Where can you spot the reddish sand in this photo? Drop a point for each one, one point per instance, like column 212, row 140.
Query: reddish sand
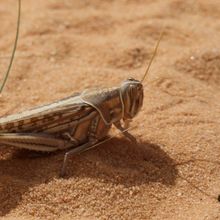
column 67, row 46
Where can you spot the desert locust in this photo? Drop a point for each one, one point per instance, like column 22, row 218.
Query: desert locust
column 76, row 123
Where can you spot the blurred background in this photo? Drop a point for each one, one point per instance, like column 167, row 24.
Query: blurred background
column 70, row 45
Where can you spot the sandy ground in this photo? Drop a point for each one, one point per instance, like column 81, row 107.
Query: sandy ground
column 67, row 46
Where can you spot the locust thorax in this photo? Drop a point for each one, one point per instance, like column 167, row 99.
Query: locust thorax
column 132, row 96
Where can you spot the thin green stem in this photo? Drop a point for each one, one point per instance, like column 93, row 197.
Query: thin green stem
column 14, row 49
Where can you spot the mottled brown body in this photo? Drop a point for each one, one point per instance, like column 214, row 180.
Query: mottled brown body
column 68, row 120
column 78, row 122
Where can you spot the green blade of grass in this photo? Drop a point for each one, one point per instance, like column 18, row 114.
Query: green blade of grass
column 14, row 49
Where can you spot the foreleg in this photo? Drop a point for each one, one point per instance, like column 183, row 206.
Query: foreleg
column 124, row 132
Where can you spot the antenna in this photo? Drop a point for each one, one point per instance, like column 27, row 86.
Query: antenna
column 153, row 56
column 14, row 49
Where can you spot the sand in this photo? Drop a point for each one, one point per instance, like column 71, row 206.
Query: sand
column 67, row 46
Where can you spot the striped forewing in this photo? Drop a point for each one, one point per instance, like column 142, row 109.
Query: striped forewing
column 53, row 117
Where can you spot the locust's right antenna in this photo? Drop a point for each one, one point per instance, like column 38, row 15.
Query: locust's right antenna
column 154, row 54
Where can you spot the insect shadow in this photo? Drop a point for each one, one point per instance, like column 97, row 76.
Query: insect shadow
column 126, row 163
column 118, row 161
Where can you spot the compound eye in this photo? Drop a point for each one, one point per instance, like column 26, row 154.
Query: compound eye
column 131, row 79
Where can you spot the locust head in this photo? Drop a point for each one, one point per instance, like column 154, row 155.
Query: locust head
column 132, row 93
column 132, row 96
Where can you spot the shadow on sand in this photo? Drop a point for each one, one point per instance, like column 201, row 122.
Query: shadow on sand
column 117, row 161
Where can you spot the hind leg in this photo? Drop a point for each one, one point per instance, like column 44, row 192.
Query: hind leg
column 74, row 152
column 33, row 141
